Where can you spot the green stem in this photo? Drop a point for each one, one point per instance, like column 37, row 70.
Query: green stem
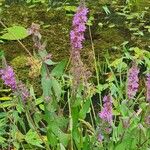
column 119, row 92
column 92, row 107
column 95, row 62
column 70, row 123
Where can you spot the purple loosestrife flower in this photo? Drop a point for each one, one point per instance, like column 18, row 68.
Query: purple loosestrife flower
column 106, row 113
column 78, row 27
column 132, row 84
column 8, row 76
column 78, row 70
column 24, row 92
column 100, row 137
column 148, row 87
column 148, row 120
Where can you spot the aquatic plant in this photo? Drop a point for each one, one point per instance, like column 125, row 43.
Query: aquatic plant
column 148, row 87
column 8, row 76
column 132, row 83
column 24, row 92
column 106, row 113
column 78, row 70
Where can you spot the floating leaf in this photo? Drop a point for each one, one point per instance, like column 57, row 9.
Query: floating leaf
column 15, row 33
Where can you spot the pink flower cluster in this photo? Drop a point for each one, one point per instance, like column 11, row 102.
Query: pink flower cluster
column 77, row 33
column 78, row 70
column 148, row 87
column 106, row 113
column 24, row 92
column 8, row 76
column 132, row 84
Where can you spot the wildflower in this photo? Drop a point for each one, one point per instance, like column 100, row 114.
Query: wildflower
column 36, row 36
column 126, row 122
column 8, row 76
column 132, row 84
column 77, row 33
column 24, row 92
column 34, row 30
column 78, row 70
column 148, row 120
column 106, row 113
column 100, row 137
column 148, row 87
column 108, row 130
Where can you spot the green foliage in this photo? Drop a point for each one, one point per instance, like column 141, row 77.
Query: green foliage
column 32, row 138
column 14, row 33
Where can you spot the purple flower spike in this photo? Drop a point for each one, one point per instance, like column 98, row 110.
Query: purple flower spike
column 148, row 120
column 8, row 76
column 24, row 92
column 100, row 137
column 77, row 33
column 78, row 70
column 132, row 84
column 148, row 87
column 106, row 113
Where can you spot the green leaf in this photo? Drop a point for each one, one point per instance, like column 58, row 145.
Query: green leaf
column 57, row 88
column 121, row 146
column 15, row 33
column 124, row 109
column 90, row 21
column 84, row 109
column 102, row 87
column 107, row 11
column 32, row 92
column 61, row 147
column 1, row 53
column 46, row 82
column 6, row 98
column 39, row 101
column 116, row 113
column 70, row 8
column 32, row 138
column 41, row 107
column 50, row 62
column 19, row 136
column 63, row 137
column 2, row 140
column 59, row 69
column 7, row 104
column 52, row 139
column 116, row 62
